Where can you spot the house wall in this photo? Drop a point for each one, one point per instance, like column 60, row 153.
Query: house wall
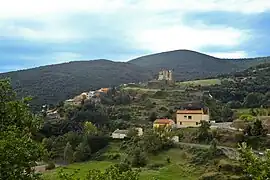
column 190, row 120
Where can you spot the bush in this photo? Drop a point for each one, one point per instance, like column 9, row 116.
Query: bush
column 123, row 166
column 50, row 166
column 155, row 166
column 212, row 176
column 114, row 156
column 229, row 167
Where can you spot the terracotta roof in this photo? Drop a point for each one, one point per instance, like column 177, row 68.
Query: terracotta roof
column 164, row 121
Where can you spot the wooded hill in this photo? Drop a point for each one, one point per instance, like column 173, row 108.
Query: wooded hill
column 54, row 83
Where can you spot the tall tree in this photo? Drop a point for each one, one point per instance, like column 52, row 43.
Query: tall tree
column 68, row 153
column 18, row 152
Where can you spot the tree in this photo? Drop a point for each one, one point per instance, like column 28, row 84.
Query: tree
column 138, row 158
column 68, row 153
column 258, row 168
column 18, row 151
column 258, row 129
column 253, row 100
column 89, row 128
column 203, row 134
column 83, row 152
column 153, row 116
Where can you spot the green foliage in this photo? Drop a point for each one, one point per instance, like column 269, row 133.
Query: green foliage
column 254, row 166
column 62, row 81
column 249, row 88
column 247, row 117
column 68, row 153
column 89, row 128
column 256, row 129
column 253, row 100
column 160, row 94
column 114, row 172
column 82, row 152
column 153, row 116
column 18, row 151
column 218, row 111
column 50, row 166
column 212, row 176
column 203, row 134
column 138, row 158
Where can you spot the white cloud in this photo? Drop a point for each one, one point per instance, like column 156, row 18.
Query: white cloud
column 229, row 55
column 184, row 37
column 243, row 6
column 39, row 8
column 141, row 23
column 65, row 56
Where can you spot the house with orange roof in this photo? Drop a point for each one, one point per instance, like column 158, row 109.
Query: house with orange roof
column 191, row 114
column 163, row 123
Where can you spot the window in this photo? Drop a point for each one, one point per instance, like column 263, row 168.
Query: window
column 180, row 123
column 189, row 117
column 197, row 123
column 185, row 117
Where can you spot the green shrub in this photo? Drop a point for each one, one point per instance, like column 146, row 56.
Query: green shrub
column 50, row 166
column 224, row 165
column 212, row 176
column 155, row 166
column 114, row 156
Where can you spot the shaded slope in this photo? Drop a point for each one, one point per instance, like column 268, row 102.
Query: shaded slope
column 54, row 83
column 191, row 65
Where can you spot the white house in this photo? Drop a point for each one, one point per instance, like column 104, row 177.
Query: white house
column 119, row 134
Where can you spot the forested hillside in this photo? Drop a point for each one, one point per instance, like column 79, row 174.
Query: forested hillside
column 248, row 88
column 54, row 83
column 194, row 65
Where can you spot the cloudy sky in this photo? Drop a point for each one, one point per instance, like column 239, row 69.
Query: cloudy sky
column 39, row 32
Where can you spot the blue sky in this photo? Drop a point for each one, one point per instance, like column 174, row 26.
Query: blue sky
column 35, row 32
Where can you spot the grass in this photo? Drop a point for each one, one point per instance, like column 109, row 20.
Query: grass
column 203, row 82
column 141, row 89
column 178, row 169
column 82, row 168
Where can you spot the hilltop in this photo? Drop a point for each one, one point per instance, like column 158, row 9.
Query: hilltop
column 188, row 65
column 54, row 83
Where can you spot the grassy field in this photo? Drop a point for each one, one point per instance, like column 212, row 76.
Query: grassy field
column 141, row 89
column 178, row 169
column 203, row 82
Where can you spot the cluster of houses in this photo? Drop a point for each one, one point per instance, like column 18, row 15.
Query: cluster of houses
column 188, row 115
column 93, row 95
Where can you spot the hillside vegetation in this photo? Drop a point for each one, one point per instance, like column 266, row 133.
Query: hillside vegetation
column 54, row 83
column 193, row 65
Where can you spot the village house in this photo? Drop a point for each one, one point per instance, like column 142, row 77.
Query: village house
column 163, row 123
column 191, row 114
column 121, row 134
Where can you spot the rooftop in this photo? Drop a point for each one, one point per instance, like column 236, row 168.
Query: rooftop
column 164, row 121
column 121, row 131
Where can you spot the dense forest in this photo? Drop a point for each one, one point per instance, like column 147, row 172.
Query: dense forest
column 248, row 88
column 54, row 83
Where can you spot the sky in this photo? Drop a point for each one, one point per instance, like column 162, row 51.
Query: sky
column 38, row 32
